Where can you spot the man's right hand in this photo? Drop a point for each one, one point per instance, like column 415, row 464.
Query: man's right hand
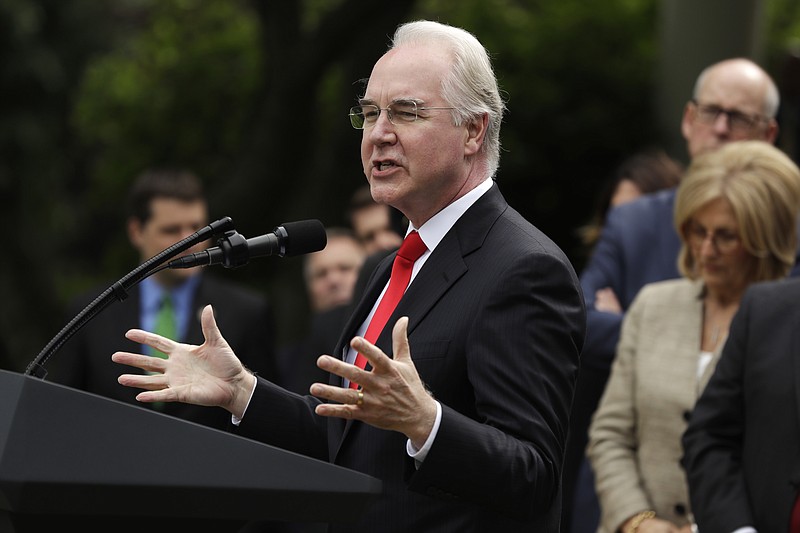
column 209, row 374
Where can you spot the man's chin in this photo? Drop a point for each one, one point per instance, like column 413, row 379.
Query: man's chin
column 707, row 148
column 172, row 277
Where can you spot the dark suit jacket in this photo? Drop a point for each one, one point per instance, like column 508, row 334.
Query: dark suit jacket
column 742, row 446
column 496, row 324
column 297, row 362
column 84, row 361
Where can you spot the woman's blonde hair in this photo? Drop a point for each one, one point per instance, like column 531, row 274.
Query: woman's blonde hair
column 762, row 185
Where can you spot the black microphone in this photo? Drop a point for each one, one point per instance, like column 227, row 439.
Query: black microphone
column 287, row 240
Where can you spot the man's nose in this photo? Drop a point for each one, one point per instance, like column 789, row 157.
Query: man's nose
column 722, row 124
column 382, row 128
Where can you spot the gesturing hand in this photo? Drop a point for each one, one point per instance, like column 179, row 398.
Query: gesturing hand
column 209, row 374
column 392, row 396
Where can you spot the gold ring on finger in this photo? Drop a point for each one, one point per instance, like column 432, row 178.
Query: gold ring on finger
column 360, row 400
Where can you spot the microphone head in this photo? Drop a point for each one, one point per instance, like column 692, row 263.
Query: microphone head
column 303, row 237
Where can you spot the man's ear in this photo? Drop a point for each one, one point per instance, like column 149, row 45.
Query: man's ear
column 476, row 132
column 687, row 121
column 134, row 227
column 772, row 131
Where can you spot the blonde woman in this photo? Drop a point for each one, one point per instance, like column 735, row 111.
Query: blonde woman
column 736, row 213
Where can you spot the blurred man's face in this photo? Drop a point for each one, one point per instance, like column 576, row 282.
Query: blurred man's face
column 373, row 227
column 731, row 96
column 331, row 273
column 171, row 221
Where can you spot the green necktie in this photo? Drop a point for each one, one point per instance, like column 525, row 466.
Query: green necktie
column 166, row 325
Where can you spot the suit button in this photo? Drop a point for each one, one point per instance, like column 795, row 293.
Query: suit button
column 687, row 415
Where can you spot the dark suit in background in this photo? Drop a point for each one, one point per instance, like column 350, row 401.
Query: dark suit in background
column 742, row 446
column 639, row 246
column 297, row 362
column 84, row 361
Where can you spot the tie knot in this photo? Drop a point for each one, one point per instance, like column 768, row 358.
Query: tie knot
column 412, row 247
column 166, row 301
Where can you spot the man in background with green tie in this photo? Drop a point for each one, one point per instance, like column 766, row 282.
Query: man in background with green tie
column 164, row 207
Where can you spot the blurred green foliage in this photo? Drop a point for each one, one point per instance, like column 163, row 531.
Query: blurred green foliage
column 783, row 29
column 177, row 91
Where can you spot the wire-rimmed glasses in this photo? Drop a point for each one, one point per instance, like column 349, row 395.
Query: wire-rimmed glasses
column 399, row 112
column 724, row 241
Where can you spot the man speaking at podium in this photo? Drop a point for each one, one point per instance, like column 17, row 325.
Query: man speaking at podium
column 462, row 408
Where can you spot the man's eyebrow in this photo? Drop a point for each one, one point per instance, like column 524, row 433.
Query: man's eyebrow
column 402, row 100
column 408, row 100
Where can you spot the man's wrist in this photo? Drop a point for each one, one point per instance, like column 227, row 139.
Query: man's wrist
column 243, row 392
column 420, row 452
column 425, row 425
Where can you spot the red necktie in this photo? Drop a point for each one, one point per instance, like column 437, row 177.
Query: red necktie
column 411, row 250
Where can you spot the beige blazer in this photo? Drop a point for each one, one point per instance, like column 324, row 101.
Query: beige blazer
column 635, row 435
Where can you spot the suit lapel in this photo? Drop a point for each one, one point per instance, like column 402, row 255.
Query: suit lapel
column 442, row 269
column 446, row 264
column 437, row 275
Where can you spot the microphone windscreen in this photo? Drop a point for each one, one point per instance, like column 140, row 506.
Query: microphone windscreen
column 304, row 237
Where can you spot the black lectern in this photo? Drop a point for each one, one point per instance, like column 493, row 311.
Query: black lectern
column 71, row 459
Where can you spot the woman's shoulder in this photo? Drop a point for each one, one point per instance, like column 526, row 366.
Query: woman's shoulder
column 679, row 287
column 669, row 294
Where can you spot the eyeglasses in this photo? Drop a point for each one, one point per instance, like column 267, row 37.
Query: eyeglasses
column 737, row 121
column 723, row 241
column 400, row 112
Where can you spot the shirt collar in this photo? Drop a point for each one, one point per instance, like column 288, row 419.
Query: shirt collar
column 433, row 231
column 151, row 292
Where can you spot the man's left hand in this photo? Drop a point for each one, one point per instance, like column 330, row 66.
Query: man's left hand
column 392, row 395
